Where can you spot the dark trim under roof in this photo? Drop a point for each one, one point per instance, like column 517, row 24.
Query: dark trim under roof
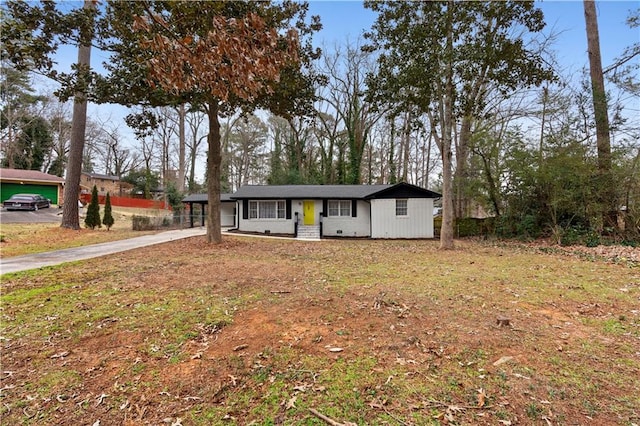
column 204, row 198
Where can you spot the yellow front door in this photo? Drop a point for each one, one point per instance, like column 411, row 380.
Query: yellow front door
column 308, row 212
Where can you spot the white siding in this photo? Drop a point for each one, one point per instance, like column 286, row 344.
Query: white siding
column 359, row 226
column 275, row 226
column 417, row 224
column 227, row 216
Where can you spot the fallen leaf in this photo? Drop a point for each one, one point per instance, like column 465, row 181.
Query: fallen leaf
column 482, row 396
column 503, row 360
column 291, row 403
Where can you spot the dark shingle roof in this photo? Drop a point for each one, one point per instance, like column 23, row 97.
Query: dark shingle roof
column 318, row 192
column 99, row 176
column 308, row 191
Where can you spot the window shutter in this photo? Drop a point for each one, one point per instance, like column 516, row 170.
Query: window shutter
column 325, row 208
column 288, row 208
column 245, row 209
column 354, row 208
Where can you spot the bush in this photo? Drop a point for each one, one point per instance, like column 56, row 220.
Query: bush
column 569, row 236
column 469, row 227
column 528, row 227
column 142, row 223
column 146, row 223
column 92, row 218
column 592, row 239
column 107, row 220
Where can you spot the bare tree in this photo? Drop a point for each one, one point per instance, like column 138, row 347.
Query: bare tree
column 196, row 123
column 346, row 96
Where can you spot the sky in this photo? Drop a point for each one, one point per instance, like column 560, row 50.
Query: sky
column 348, row 20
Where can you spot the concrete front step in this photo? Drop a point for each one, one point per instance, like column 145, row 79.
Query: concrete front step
column 308, row 232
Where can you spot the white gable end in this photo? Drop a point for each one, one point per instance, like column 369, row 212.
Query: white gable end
column 417, row 223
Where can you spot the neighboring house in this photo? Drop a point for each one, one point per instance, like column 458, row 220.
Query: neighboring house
column 104, row 183
column 15, row 181
column 227, row 209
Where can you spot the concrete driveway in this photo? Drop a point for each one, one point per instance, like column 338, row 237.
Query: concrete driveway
column 39, row 260
column 51, row 215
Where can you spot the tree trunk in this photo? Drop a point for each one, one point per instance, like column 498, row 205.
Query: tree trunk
column 70, row 218
column 461, row 178
column 605, row 195
column 446, row 230
column 406, row 146
column 181, row 154
column 214, row 160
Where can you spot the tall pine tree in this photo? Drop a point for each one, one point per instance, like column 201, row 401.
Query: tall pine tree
column 93, row 211
column 107, row 219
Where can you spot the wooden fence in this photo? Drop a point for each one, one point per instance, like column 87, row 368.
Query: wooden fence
column 139, row 203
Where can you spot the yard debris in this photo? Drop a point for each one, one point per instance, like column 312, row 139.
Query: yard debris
column 101, row 398
column 27, row 415
column 502, row 321
column 336, row 349
column 4, row 388
column 503, row 360
column 482, row 396
column 329, row 420
column 240, row 347
column 291, row 403
column 192, row 398
column 60, row 355
column 520, row 376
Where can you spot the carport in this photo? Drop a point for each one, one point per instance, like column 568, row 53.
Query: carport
column 15, row 181
column 227, row 209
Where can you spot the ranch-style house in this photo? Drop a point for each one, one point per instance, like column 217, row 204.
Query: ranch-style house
column 314, row 211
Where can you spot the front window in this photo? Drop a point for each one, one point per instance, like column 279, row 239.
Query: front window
column 401, row 207
column 267, row 209
column 339, row 208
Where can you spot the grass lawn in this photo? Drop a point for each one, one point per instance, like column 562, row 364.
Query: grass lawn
column 280, row 332
column 27, row 238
